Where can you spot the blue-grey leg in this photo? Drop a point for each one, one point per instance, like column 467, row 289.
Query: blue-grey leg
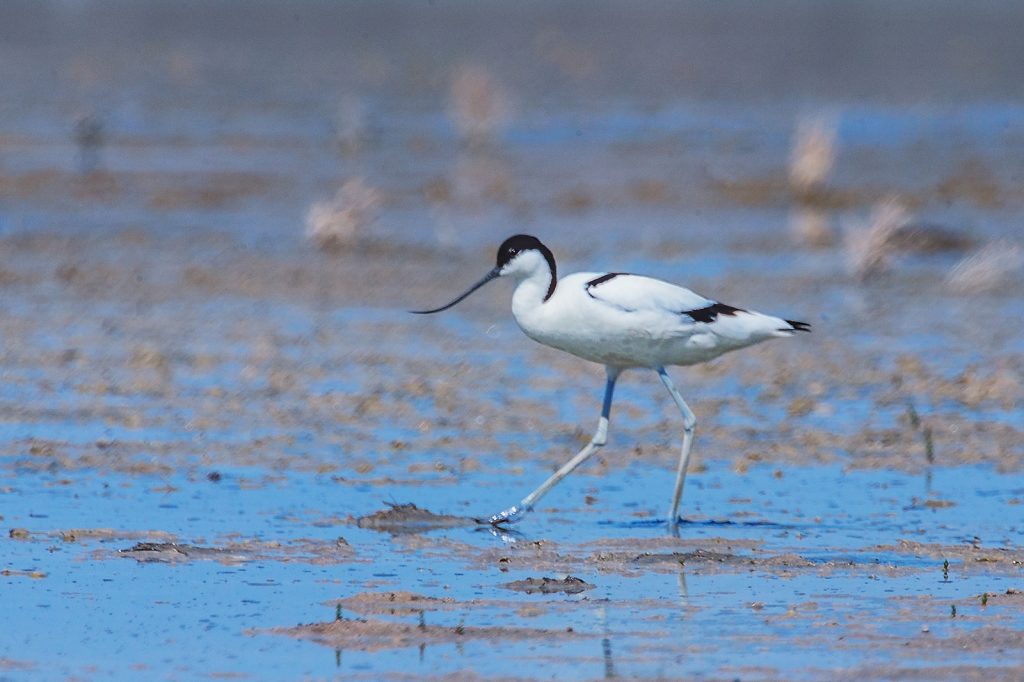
column 513, row 514
column 689, row 424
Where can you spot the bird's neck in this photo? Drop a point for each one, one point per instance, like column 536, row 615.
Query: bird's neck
column 534, row 291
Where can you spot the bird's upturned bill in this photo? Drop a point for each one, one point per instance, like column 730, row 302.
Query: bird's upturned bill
column 487, row 278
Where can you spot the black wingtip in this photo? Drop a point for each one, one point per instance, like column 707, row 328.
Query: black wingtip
column 799, row 326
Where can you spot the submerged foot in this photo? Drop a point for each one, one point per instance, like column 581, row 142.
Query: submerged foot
column 509, row 516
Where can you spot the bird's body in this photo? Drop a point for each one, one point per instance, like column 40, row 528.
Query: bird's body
column 622, row 321
column 631, row 321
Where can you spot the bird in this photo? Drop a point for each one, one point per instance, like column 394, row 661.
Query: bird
column 622, row 321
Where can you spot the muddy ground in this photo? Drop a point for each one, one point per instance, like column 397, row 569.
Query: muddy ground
column 227, row 450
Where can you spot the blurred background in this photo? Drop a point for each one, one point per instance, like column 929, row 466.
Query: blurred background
column 193, row 194
column 213, row 216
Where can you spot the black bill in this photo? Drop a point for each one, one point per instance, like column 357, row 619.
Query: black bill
column 487, row 278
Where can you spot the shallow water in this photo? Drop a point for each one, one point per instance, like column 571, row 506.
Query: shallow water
column 115, row 613
column 179, row 364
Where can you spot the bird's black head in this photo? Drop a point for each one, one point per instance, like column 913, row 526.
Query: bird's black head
column 516, row 244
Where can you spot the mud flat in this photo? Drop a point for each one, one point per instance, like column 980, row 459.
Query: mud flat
column 226, row 450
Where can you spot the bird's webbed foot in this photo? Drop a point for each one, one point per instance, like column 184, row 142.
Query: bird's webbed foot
column 509, row 516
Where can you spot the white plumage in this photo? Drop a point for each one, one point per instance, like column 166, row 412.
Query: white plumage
column 634, row 321
column 622, row 321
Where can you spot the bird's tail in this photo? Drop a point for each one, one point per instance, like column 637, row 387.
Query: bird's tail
column 793, row 326
column 748, row 326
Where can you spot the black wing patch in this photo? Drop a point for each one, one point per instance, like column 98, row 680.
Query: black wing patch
column 711, row 312
column 597, row 281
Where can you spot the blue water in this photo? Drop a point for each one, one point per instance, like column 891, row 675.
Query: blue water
column 101, row 614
